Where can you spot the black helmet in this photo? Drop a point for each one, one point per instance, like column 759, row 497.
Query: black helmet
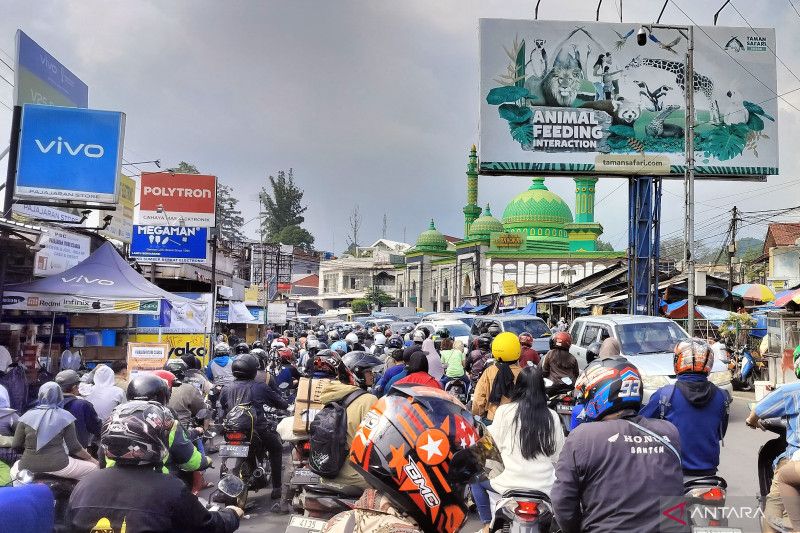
column 443, row 333
column 362, row 335
column 484, row 343
column 395, row 342
column 192, row 362
column 405, row 330
column 329, row 363
column 242, row 348
column 494, row 330
column 178, row 367
column 262, row 357
column 358, row 363
column 245, row 366
column 592, row 352
column 137, row 433
column 148, row 387
column 256, row 346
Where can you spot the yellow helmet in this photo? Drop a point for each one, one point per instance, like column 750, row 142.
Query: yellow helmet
column 506, row 347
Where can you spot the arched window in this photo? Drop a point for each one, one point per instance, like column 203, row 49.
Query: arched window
column 530, row 274
column 466, row 288
column 544, row 273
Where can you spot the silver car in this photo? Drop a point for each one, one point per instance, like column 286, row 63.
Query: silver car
column 647, row 341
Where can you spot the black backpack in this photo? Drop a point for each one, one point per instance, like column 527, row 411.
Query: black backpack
column 328, row 440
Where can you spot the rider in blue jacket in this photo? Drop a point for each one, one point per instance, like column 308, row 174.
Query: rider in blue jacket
column 697, row 407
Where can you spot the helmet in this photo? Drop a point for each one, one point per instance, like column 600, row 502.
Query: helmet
column 245, row 366
column 340, row 346
column 494, row 330
column 312, row 344
column 329, row 362
column 506, row 347
column 191, row 362
column 611, row 385
column 404, row 448
column 394, row 342
column 256, row 346
column 484, row 342
column 526, row 339
column 405, row 330
column 562, row 340
column 361, row 335
column 167, row 376
column 358, row 363
column 241, row 348
column 351, row 338
column 137, row 433
column 419, row 336
column 443, row 333
column 67, row 378
column 148, row 386
column 593, row 351
column 693, row 356
column 380, row 339
column 277, row 344
column 177, row 367
column 284, row 339
column 333, row 335
column 286, row 355
column 222, row 348
column 261, row 355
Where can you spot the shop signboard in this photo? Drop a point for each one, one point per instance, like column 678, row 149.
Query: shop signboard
column 62, row 250
column 146, row 356
column 509, row 287
column 41, row 79
column 169, row 244
column 69, row 154
column 42, row 212
column 561, row 97
column 177, row 199
column 65, row 303
column 179, row 344
column 121, row 226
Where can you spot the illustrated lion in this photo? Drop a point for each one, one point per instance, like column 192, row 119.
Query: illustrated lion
column 561, row 84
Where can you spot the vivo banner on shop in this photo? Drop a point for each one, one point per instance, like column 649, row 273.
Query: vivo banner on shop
column 177, row 199
column 69, row 154
column 169, row 244
column 585, row 98
column 41, row 79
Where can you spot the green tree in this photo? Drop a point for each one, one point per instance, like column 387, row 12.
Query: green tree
column 603, row 246
column 229, row 218
column 360, row 305
column 283, row 208
column 377, row 297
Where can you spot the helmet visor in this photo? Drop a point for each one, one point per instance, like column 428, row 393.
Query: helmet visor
column 479, row 462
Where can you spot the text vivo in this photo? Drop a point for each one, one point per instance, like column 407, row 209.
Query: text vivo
column 64, row 147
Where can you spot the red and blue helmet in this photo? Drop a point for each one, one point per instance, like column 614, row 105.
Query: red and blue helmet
column 610, row 385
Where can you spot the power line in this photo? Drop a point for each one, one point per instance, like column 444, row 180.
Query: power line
column 6, row 105
column 795, row 9
column 6, row 64
column 6, row 80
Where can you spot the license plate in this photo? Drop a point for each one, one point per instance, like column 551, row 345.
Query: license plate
column 233, row 450
column 303, row 524
column 714, row 529
column 566, row 409
column 304, row 477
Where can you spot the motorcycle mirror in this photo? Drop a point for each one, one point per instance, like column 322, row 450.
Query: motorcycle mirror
column 548, row 382
column 231, row 485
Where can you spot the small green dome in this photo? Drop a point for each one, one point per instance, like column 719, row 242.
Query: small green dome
column 431, row 240
column 485, row 225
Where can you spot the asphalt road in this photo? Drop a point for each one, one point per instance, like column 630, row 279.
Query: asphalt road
column 737, row 465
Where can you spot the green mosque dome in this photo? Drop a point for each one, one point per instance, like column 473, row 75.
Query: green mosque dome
column 485, row 225
column 540, row 214
column 431, row 240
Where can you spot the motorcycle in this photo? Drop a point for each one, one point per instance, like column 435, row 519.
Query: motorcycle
column 561, row 399
column 458, row 389
column 767, row 454
column 300, row 475
column 742, row 366
column 61, row 489
column 705, row 502
column 523, row 511
column 323, row 502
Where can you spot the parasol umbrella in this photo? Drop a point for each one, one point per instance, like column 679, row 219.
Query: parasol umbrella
column 786, row 297
column 754, row 291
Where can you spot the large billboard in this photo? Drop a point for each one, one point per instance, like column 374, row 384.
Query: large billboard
column 69, row 154
column 169, row 244
column 41, row 79
column 61, row 251
column 174, row 199
column 562, row 97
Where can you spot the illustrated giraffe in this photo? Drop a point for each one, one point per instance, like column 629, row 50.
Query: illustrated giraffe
column 702, row 84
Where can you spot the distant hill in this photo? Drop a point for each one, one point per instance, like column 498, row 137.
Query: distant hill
column 748, row 243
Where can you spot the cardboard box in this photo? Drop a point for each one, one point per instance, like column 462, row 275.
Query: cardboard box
column 307, row 404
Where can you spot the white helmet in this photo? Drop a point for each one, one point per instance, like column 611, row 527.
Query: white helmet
column 312, row 343
column 419, row 336
column 380, row 339
column 351, row 338
column 277, row 344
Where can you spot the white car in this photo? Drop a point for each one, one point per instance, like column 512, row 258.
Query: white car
column 647, row 341
column 458, row 330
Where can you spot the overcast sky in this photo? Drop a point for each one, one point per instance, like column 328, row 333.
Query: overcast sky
column 372, row 103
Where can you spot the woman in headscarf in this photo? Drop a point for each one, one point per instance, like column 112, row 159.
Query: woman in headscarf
column 417, row 372
column 610, row 349
column 8, row 415
column 435, row 367
column 105, row 395
column 47, row 435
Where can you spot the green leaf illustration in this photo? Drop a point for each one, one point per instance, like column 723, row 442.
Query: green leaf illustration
column 755, row 123
column 622, row 130
column 510, row 93
column 724, row 142
column 756, row 109
column 515, row 113
column 523, row 133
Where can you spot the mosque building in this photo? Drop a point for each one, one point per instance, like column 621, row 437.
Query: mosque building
column 537, row 242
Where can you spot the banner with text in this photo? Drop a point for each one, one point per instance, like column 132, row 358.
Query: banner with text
column 169, row 244
column 41, row 79
column 584, row 98
column 62, row 250
column 177, row 199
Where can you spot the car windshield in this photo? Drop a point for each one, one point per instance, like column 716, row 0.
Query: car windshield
column 468, row 320
column 649, row 337
column 537, row 328
column 456, row 329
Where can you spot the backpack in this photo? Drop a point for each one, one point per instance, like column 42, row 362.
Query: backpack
column 328, row 439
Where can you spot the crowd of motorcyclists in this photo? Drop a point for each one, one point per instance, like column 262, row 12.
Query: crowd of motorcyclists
column 409, row 402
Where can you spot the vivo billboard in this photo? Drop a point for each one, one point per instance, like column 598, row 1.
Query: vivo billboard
column 42, row 79
column 69, row 154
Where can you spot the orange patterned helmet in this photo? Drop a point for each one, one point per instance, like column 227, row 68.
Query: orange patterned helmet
column 693, row 356
column 404, row 448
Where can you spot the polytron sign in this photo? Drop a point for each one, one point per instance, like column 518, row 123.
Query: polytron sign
column 177, row 199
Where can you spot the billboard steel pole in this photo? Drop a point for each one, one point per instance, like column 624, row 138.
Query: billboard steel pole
column 690, row 245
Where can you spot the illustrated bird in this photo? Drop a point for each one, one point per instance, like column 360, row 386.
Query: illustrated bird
column 667, row 46
column 623, row 38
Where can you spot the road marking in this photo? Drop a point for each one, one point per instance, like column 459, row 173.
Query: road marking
column 750, row 398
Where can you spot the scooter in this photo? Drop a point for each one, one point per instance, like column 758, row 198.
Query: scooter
column 523, row 511
column 705, row 502
column 742, row 366
column 458, row 389
column 767, row 454
column 561, row 398
column 61, row 489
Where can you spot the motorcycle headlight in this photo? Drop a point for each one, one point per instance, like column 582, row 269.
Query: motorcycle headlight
column 720, row 378
column 654, row 382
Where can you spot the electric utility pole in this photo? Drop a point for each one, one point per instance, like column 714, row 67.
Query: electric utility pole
column 731, row 253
